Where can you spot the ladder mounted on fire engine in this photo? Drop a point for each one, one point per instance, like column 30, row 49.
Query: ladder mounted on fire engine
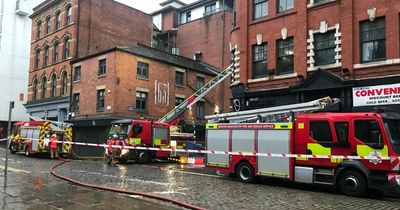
column 54, row 124
column 195, row 97
column 272, row 112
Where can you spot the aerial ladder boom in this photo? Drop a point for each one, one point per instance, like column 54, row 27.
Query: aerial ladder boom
column 253, row 115
column 173, row 115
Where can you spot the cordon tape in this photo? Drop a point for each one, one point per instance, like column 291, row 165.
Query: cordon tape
column 376, row 156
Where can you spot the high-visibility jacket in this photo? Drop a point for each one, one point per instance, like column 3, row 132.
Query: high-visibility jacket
column 53, row 143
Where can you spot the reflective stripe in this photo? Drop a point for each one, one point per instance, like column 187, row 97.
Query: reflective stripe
column 217, row 164
column 134, row 141
column 317, row 149
column 212, row 126
column 68, row 138
column 283, row 125
column 274, row 174
column 365, row 150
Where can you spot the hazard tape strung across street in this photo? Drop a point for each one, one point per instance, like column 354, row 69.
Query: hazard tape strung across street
column 232, row 153
column 5, row 139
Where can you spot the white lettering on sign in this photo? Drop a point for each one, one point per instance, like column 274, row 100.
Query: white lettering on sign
column 376, row 95
column 161, row 93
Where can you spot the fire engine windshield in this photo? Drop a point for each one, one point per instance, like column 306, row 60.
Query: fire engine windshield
column 392, row 127
column 120, row 129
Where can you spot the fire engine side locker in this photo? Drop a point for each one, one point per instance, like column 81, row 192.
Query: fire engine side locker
column 218, row 140
column 274, row 141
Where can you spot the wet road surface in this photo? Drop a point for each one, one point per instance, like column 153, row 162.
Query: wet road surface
column 197, row 186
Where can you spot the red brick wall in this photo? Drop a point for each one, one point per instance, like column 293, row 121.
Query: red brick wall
column 299, row 21
column 48, row 39
column 121, row 86
column 105, row 24
column 169, row 19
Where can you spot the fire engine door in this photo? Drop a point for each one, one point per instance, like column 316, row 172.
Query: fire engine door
column 274, row 142
column 217, row 140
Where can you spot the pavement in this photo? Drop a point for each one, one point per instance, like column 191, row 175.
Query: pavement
column 31, row 186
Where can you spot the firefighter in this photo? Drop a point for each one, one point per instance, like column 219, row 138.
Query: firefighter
column 53, row 146
column 112, row 152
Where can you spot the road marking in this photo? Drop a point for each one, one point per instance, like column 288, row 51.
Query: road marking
column 15, row 169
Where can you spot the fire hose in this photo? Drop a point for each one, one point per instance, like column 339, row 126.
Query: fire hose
column 148, row 195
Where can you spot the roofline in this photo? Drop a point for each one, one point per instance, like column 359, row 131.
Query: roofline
column 195, row 4
column 119, row 48
column 169, row 1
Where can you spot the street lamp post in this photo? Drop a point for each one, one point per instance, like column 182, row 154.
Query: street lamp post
column 8, row 141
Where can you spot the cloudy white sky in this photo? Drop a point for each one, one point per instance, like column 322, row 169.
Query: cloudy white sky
column 147, row 6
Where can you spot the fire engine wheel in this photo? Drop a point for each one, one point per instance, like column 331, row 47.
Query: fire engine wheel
column 353, row 183
column 13, row 149
column 245, row 172
column 142, row 156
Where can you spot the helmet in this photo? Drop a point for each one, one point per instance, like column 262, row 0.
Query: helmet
column 54, row 135
column 115, row 136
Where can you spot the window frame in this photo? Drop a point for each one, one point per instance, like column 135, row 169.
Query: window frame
column 200, row 109
column 373, row 41
column 37, row 59
column 44, row 87
column 100, row 99
column 178, row 101
column 180, row 79
column 53, row 83
column 34, row 89
column 38, row 29
column 141, row 101
column 57, row 20
column 77, row 73
column 56, row 53
column 278, row 3
column 75, row 100
column 285, row 48
column 141, row 68
column 68, row 15
column 46, row 55
column 326, row 143
column 48, row 26
column 208, row 11
column 259, row 56
column 64, row 83
column 67, row 46
column 324, row 49
column 200, row 82
column 102, row 69
column 259, row 3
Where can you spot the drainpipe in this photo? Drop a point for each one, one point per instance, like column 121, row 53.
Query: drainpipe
column 223, row 55
column 1, row 20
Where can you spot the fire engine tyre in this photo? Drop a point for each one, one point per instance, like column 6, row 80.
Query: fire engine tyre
column 353, row 183
column 142, row 156
column 13, row 149
column 245, row 172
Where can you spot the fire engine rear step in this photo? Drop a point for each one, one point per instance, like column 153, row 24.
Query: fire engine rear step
column 324, row 176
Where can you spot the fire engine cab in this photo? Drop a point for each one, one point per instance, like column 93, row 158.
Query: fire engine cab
column 319, row 134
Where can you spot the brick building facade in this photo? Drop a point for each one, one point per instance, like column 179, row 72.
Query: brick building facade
column 200, row 30
column 289, row 51
column 69, row 29
column 136, row 82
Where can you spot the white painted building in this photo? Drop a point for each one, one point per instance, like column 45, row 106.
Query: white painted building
column 15, row 36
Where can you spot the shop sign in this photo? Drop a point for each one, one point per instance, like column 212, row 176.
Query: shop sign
column 376, row 95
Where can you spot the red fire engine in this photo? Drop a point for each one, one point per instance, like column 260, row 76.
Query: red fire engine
column 33, row 137
column 368, row 134
column 145, row 133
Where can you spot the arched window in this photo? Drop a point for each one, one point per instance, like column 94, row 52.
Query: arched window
column 37, row 58
column 38, row 29
column 64, row 80
column 44, row 87
column 69, row 15
column 55, row 51
column 48, row 25
column 67, row 45
column 53, row 85
column 46, row 55
column 34, row 89
column 57, row 20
